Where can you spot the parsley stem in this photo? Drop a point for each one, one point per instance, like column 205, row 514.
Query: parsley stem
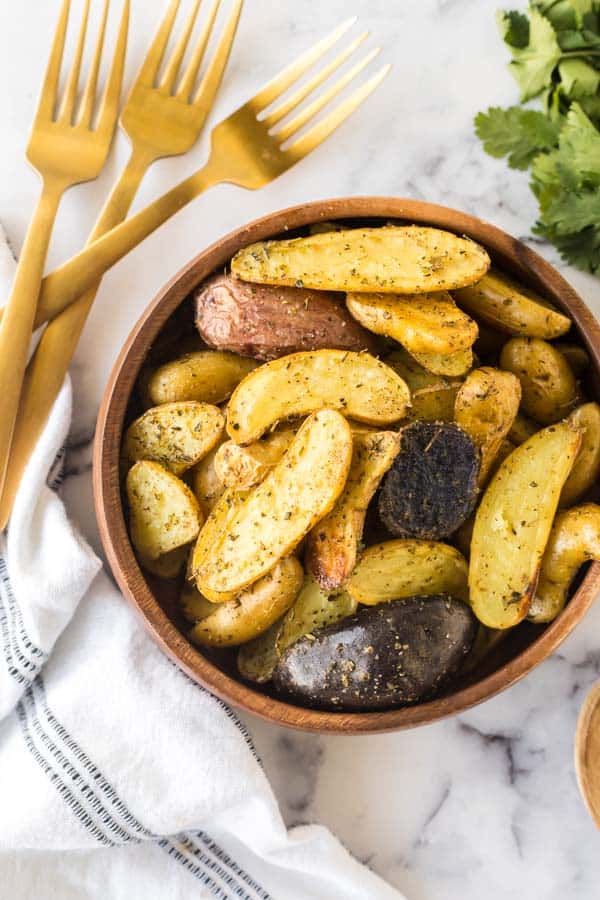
column 575, row 53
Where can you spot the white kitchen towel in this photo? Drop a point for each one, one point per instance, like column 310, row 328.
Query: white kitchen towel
column 120, row 777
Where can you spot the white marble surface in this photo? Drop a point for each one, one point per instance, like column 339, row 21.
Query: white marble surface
column 484, row 805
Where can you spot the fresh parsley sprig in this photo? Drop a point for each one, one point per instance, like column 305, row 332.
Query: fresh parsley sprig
column 555, row 57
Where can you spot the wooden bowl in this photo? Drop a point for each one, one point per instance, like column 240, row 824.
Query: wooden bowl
column 520, row 652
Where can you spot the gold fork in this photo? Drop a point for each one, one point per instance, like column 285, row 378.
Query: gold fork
column 246, row 150
column 65, row 150
column 160, row 120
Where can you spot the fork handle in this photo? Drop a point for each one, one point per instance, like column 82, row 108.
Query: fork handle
column 50, row 362
column 66, row 283
column 19, row 315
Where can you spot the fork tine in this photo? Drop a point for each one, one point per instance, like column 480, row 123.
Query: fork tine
column 317, row 105
column 298, row 96
column 189, row 76
column 168, row 79
column 285, row 79
column 68, row 103
column 214, row 74
column 50, row 88
column 89, row 94
column 321, row 130
column 109, row 108
column 151, row 65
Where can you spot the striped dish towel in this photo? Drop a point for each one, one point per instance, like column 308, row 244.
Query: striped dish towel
column 120, row 777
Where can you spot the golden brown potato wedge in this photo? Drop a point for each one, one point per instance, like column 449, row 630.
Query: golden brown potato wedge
column 356, row 384
column 450, row 364
column 208, row 376
column 586, row 468
column 427, row 323
column 193, row 605
column 512, row 308
column 169, row 565
column 253, row 611
column 548, row 384
column 522, row 429
column 312, row 609
column 176, row 435
column 407, row 568
column 206, row 484
column 402, row 259
column 163, row 512
column 513, row 523
column 574, row 539
column 432, row 396
column 241, row 543
column 332, row 546
column 243, row 467
column 486, row 405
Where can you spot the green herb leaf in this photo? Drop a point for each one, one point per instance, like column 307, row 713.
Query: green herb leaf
column 532, row 66
column 514, row 27
column 517, row 133
column 579, row 79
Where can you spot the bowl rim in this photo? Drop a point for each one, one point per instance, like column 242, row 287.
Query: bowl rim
column 514, row 256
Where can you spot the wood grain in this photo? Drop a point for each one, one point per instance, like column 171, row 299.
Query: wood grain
column 587, row 753
column 517, row 655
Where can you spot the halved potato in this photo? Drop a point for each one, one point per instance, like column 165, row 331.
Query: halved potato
column 312, row 609
column 522, row 429
column 206, row 484
column 357, row 384
column 176, row 435
column 332, row 546
column 403, row 259
column 254, row 610
column 239, row 544
column 586, row 468
column 208, row 376
column 408, row 568
column 486, row 406
column 163, row 512
column 193, row 605
column 451, row 364
column 512, row 308
column 432, row 396
column 574, row 539
column 243, row 467
column 429, row 323
column 547, row 381
column 513, row 523
column 169, row 565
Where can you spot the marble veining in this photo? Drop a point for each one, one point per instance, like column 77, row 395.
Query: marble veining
column 483, row 805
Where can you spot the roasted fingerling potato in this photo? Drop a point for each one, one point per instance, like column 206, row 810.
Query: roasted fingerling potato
column 511, row 307
column 408, row 568
column 513, row 523
column 266, row 321
column 486, row 405
column 243, row 467
column 206, row 484
column 428, row 323
column 451, row 364
column 176, row 435
column 549, row 388
column 586, row 468
column 574, row 539
column 253, row 610
column 207, row 376
column 396, row 259
column 332, row 546
column 356, row 384
column 240, row 545
column 163, row 512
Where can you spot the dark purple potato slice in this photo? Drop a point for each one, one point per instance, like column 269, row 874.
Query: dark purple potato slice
column 383, row 656
column 431, row 488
